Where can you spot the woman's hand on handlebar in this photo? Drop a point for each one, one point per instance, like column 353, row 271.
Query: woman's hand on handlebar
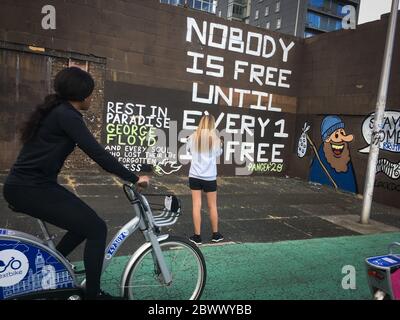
column 142, row 183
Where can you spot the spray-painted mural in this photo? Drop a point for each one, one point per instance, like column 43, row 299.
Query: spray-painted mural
column 388, row 139
column 255, row 82
column 148, row 125
column 331, row 164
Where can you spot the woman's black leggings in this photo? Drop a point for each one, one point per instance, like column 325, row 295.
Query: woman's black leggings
column 56, row 205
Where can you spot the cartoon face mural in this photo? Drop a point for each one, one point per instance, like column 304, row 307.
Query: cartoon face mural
column 336, row 149
column 332, row 162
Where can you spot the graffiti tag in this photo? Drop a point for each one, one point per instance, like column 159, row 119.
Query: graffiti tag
column 265, row 167
column 390, row 169
column 388, row 137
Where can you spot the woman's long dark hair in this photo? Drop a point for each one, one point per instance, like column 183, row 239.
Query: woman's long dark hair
column 70, row 84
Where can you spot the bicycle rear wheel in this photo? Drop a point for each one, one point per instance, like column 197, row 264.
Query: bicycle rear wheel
column 186, row 264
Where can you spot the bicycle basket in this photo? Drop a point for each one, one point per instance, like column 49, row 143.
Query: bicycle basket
column 166, row 211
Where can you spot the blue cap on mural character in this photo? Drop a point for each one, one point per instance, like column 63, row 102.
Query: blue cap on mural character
column 329, row 125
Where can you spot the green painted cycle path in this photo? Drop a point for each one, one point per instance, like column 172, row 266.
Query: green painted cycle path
column 289, row 270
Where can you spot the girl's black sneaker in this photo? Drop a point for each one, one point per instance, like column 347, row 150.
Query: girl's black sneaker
column 195, row 239
column 217, row 237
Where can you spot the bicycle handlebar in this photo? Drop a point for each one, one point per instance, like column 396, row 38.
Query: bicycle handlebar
column 135, row 188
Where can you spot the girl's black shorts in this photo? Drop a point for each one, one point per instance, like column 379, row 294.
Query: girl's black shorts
column 199, row 184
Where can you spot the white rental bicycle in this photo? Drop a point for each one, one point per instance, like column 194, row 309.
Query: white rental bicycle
column 163, row 268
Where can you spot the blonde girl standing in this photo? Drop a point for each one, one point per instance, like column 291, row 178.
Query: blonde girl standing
column 205, row 147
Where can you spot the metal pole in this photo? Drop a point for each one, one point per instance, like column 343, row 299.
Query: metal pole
column 379, row 115
column 297, row 18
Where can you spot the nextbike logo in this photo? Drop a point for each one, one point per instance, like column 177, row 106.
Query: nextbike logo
column 6, row 231
column 117, row 242
column 14, row 266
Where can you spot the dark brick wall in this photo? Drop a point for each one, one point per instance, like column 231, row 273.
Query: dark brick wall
column 340, row 75
column 341, row 71
column 26, row 79
column 93, row 117
column 143, row 43
column 143, row 40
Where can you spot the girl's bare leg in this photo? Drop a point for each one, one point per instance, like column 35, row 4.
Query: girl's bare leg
column 212, row 209
column 196, row 201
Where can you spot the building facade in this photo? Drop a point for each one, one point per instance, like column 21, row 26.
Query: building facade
column 203, row 5
column 302, row 18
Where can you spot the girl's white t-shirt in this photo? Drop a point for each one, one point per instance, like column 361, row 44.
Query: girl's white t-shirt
column 204, row 164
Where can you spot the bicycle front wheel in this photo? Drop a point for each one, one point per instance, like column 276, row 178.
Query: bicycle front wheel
column 186, row 264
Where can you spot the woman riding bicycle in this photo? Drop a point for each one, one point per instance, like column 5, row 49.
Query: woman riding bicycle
column 51, row 133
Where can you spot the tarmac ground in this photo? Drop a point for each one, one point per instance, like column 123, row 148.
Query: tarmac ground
column 284, row 238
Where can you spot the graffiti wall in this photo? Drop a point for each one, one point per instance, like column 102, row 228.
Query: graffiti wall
column 331, row 161
column 333, row 150
column 150, row 125
column 145, row 125
column 387, row 181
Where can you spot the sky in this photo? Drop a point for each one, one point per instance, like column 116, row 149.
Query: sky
column 371, row 10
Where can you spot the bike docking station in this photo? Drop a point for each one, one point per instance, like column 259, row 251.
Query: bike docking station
column 383, row 274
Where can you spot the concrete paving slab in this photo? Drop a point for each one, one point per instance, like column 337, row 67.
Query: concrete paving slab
column 316, row 227
column 387, row 218
column 352, row 222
